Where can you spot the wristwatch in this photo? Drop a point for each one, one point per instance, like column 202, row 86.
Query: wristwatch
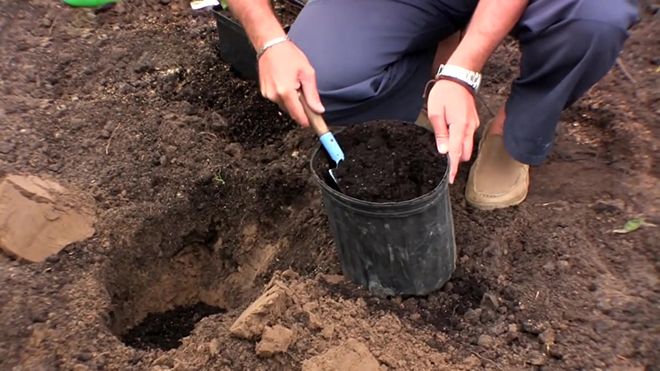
column 463, row 76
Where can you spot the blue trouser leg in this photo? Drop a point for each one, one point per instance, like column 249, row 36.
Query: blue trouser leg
column 567, row 46
column 373, row 58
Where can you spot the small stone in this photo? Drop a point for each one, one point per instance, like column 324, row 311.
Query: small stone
column 472, row 315
column 415, row 316
column 601, row 327
column 275, row 339
column 162, row 160
column 490, row 301
column 56, row 167
column 6, row 147
column 328, row 331
column 510, row 293
column 218, row 123
column 509, row 337
column 487, row 316
column 333, row 279
column 39, row 315
column 485, row 341
column 214, row 347
column 234, row 150
column 532, row 327
column 547, row 337
column 536, row 358
column 557, row 351
column 46, row 22
column 498, row 329
column 313, row 321
column 563, row 265
column 549, row 267
column 388, row 360
column 84, row 356
column 471, row 362
column 144, row 64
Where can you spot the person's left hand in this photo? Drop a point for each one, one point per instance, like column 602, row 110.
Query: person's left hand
column 453, row 115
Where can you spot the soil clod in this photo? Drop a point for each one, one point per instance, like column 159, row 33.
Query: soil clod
column 251, row 323
column 39, row 217
column 352, row 355
column 485, row 341
column 274, row 340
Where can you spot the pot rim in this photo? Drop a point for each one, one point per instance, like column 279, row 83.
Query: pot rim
column 356, row 201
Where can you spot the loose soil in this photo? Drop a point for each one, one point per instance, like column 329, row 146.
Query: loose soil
column 204, row 194
column 165, row 330
column 386, row 162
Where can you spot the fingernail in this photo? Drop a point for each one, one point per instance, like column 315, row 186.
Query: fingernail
column 442, row 148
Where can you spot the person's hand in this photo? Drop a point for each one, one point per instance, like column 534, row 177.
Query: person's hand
column 283, row 71
column 453, row 115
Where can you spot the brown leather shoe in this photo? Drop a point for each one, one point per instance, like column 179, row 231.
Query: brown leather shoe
column 423, row 120
column 496, row 180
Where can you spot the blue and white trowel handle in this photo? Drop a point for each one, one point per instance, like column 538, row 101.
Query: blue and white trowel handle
column 326, row 138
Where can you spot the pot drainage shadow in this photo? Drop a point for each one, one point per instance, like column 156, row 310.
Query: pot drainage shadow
column 165, row 330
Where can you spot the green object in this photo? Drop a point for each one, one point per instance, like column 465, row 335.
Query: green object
column 633, row 225
column 88, row 3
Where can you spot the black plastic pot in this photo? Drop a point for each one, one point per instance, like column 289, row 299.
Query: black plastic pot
column 234, row 45
column 393, row 248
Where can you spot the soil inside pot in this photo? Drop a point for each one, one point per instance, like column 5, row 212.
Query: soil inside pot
column 386, row 161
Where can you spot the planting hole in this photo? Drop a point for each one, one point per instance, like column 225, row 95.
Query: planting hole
column 165, row 330
column 189, row 260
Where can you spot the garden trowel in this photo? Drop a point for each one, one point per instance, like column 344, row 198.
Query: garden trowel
column 326, row 138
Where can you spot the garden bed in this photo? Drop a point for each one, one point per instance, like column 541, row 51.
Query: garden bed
column 203, row 194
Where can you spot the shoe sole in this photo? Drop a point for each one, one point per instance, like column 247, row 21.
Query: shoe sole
column 495, row 206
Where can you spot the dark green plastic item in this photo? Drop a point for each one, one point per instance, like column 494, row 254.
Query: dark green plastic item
column 89, row 3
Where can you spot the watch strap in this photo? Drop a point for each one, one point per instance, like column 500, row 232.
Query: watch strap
column 463, row 76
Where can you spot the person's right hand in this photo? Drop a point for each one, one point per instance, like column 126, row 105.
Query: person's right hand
column 283, row 71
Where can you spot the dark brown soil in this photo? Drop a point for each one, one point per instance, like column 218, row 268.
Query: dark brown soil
column 165, row 330
column 204, row 194
column 386, row 162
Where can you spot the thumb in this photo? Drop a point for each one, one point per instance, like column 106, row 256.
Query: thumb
column 311, row 92
column 440, row 130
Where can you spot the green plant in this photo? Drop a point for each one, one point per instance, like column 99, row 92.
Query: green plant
column 633, row 225
column 217, row 180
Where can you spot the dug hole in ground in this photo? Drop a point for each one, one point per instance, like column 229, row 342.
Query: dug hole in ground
column 209, row 231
